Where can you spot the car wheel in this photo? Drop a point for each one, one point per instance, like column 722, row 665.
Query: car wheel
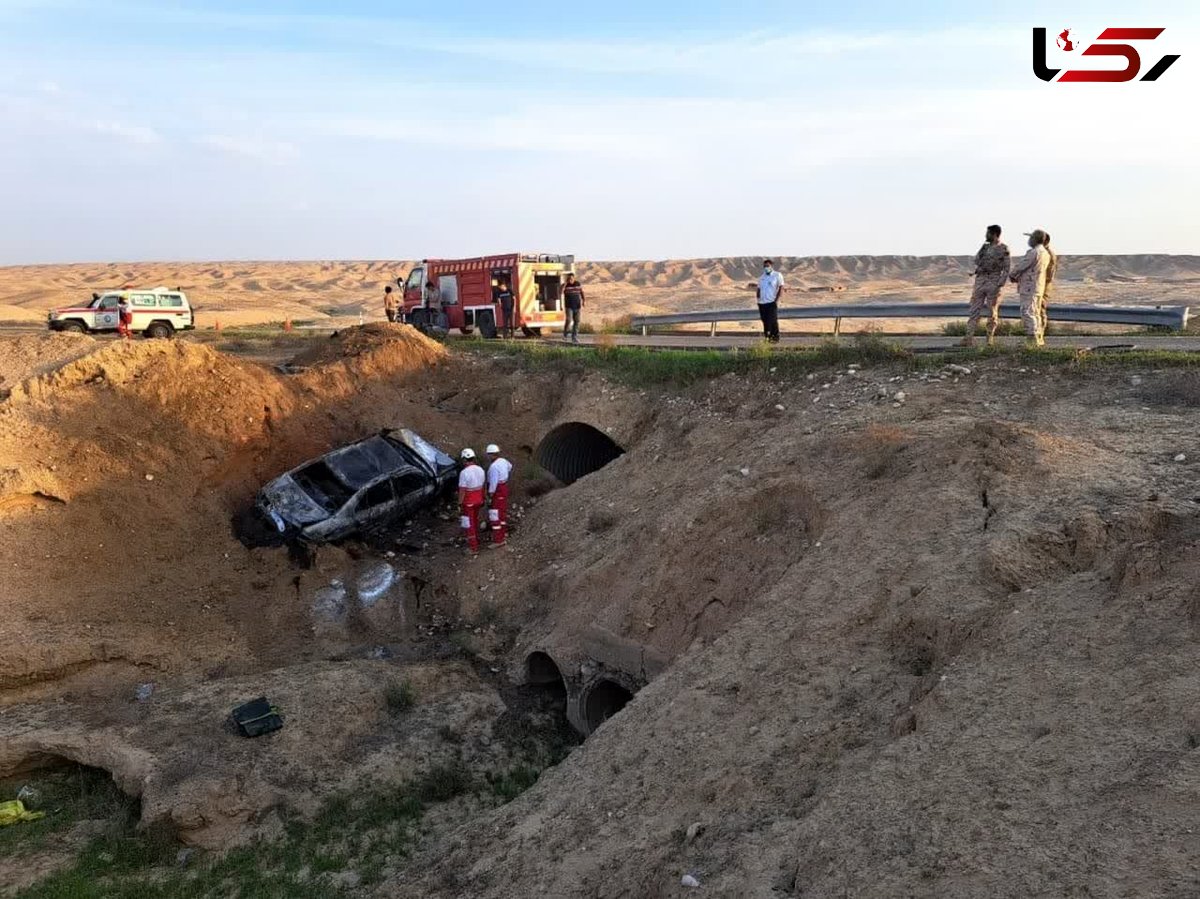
column 159, row 331
column 531, row 332
column 74, row 327
column 487, row 324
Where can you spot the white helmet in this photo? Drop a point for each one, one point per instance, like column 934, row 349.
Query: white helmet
column 492, row 449
column 468, row 453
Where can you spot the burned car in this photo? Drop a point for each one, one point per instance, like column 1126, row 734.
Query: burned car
column 356, row 488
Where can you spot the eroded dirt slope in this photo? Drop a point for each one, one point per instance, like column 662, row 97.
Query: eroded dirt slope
column 943, row 646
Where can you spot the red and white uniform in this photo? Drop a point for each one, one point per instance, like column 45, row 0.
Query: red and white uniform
column 124, row 320
column 498, row 474
column 470, row 498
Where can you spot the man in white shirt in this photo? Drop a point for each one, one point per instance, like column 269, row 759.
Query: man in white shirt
column 470, row 497
column 770, row 289
column 498, row 473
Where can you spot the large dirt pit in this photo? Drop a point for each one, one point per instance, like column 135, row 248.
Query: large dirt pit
column 871, row 632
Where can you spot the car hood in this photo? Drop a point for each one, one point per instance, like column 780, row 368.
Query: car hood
column 437, row 461
column 291, row 503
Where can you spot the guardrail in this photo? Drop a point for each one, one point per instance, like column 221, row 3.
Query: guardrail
column 1175, row 317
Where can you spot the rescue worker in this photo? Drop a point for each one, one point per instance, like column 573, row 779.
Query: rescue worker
column 1051, row 271
column 470, row 497
column 992, row 265
column 770, row 289
column 573, row 302
column 1030, row 277
column 504, row 296
column 124, row 318
column 498, row 473
column 390, row 304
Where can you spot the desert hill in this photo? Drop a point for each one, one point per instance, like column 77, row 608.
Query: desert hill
column 247, row 292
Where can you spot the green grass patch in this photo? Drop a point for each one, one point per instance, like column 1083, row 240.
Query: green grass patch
column 356, row 832
column 643, row 366
column 400, row 697
column 66, row 796
column 508, row 785
column 646, row 366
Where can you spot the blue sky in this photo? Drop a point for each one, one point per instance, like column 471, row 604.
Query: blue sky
column 141, row 130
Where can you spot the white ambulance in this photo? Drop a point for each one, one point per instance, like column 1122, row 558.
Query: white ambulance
column 157, row 312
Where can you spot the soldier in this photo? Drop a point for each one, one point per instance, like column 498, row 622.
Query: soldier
column 1030, row 277
column 992, row 264
column 1051, row 271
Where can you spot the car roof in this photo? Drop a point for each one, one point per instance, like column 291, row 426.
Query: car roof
column 361, row 464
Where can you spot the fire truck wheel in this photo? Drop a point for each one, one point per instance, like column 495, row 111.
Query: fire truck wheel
column 487, row 324
column 531, row 332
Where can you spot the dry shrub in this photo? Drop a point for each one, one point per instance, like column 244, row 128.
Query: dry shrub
column 880, row 446
column 600, row 520
column 783, row 507
column 605, row 343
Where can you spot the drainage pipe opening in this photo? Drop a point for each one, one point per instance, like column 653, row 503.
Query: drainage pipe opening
column 575, row 449
column 603, row 701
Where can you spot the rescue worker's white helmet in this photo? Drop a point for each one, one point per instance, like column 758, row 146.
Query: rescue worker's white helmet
column 468, row 453
column 493, row 450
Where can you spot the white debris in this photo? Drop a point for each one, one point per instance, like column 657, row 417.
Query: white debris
column 779, row 407
column 745, row 472
column 1181, row 457
column 958, row 369
column 900, row 396
column 693, row 830
column 688, row 881
column 149, row 477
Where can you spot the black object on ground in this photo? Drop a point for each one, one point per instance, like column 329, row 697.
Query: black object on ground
column 257, row 717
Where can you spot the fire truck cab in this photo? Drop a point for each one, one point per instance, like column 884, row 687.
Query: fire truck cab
column 468, row 292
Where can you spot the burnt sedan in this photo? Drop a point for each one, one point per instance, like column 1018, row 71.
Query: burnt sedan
column 356, row 488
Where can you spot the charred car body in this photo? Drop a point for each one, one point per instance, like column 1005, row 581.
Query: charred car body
column 356, row 488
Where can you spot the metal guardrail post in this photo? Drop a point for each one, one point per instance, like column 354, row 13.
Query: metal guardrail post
column 837, row 327
column 712, row 328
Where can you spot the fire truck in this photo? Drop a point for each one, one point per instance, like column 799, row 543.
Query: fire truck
column 469, row 292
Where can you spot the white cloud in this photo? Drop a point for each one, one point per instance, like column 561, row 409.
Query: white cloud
column 137, row 134
column 273, row 152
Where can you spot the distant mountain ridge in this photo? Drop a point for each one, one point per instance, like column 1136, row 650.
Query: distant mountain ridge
column 831, row 270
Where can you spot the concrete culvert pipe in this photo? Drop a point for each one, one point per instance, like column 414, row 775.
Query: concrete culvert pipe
column 541, row 670
column 574, row 449
column 603, row 700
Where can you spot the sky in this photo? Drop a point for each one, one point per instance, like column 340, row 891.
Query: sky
column 624, row 130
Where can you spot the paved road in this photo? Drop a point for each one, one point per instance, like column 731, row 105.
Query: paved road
column 916, row 342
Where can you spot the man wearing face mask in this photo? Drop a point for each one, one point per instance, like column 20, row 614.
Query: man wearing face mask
column 770, row 289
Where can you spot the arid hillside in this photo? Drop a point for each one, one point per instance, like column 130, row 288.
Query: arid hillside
column 248, row 292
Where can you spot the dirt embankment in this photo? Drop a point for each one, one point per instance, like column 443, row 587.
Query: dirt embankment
column 930, row 636
column 901, row 632
column 120, row 473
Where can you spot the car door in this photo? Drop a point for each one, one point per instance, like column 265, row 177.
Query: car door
column 412, row 491
column 106, row 313
column 376, row 505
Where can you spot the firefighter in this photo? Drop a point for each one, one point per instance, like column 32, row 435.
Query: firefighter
column 124, row 318
column 498, row 474
column 470, row 497
column 504, row 296
column 390, row 304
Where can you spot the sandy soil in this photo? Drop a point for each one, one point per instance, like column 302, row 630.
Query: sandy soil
column 236, row 293
column 926, row 633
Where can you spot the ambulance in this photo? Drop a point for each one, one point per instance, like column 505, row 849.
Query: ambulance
column 469, row 292
column 157, row 312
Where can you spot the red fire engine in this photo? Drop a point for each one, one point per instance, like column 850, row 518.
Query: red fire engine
column 468, row 292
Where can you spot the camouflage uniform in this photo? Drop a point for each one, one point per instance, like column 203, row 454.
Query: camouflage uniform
column 1051, row 270
column 991, row 271
column 1030, row 275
